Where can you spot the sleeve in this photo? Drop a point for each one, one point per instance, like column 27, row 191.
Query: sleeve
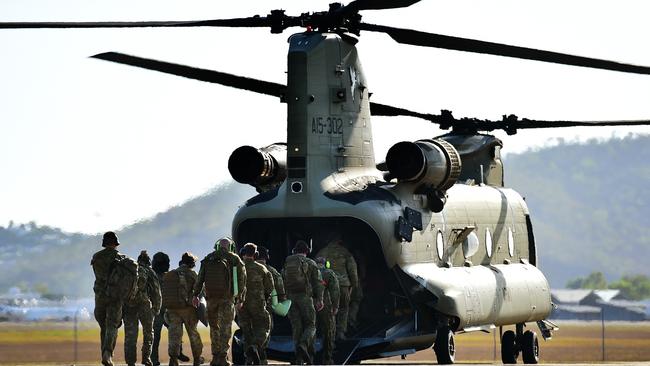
column 334, row 289
column 279, row 287
column 268, row 284
column 351, row 267
column 200, row 279
column 316, row 282
column 241, row 278
column 155, row 295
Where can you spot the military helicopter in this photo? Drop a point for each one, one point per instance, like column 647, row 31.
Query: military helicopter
column 442, row 245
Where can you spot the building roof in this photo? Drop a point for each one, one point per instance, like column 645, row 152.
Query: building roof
column 607, row 295
column 569, row 296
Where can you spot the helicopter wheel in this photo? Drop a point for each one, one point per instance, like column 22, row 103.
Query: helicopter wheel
column 445, row 347
column 509, row 350
column 530, row 347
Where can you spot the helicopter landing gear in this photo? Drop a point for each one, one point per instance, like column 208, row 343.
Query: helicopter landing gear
column 444, row 347
column 524, row 342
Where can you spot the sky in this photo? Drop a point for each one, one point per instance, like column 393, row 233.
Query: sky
column 89, row 146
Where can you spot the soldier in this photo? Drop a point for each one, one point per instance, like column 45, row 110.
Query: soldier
column 160, row 265
column 302, row 282
column 108, row 311
column 327, row 316
column 254, row 319
column 142, row 308
column 344, row 265
column 224, row 276
column 177, row 290
column 263, row 257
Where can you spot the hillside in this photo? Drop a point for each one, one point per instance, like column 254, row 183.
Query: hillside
column 589, row 205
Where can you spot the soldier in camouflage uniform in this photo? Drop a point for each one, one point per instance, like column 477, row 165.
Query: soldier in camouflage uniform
column 142, row 308
column 108, row 312
column 217, row 276
column 254, row 319
column 327, row 316
column 302, row 282
column 262, row 258
column 345, row 266
column 180, row 311
column 160, row 265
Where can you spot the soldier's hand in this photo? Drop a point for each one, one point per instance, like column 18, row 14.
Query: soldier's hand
column 319, row 305
column 195, row 301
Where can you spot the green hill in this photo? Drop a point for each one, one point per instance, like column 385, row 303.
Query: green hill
column 588, row 203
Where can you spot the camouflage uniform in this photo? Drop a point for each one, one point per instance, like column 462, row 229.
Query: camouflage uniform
column 345, row 266
column 278, row 284
column 254, row 319
column 326, row 317
column 221, row 310
column 302, row 313
column 184, row 316
column 108, row 311
column 355, row 302
column 143, row 308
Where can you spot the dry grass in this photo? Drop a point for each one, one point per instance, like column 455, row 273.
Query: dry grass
column 574, row 342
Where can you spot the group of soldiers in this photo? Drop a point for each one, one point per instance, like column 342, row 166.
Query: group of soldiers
column 318, row 294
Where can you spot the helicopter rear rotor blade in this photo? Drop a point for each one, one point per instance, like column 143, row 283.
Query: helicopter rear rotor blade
column 210, row 76
column 418, row 38
column 378, row 4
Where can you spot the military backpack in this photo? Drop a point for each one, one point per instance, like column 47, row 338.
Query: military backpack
column 295, row 274
column 174, row 291
column 122, row 282
column 218, row 277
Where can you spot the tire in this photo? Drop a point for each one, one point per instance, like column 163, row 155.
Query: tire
column 238, row 357
column 445, row 347
column 509, row 351
column 530, row 347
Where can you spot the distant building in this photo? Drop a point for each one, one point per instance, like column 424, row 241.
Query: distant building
column 593, row 304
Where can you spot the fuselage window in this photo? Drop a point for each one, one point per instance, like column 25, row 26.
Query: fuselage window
column 511, row 243
column 470, row 245
column 488, row 242
column 440, row 244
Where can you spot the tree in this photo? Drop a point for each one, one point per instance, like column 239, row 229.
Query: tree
column 634, row 287
column 595, row 281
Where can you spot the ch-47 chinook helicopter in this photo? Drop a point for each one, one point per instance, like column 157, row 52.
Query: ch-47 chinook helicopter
column 443, row 247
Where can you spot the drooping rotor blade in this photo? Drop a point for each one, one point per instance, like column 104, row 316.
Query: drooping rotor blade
column 210, row 76
column 236, row 22
column 378, row 4
column 417, row 38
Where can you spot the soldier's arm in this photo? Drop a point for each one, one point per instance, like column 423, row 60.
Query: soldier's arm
column 279, row 287
column 334, row 289
column 316, row 282
column 241, row 279
column 156, row 296
column 269, row 285
column 200, row 280
column 351, row 266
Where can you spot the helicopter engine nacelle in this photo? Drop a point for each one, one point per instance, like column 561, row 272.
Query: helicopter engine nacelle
column 434, row 165
column 263, row 168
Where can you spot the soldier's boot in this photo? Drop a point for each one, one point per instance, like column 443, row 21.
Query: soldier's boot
column 198, row 361
column 303, row 355
column 107, row 358
column 219, row 360
column 263, row 359
column 252, row 356
column 173, row 361
column 328, row 361
column 146, row 357
column 182, row 357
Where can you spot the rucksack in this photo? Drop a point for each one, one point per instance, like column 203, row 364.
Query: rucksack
column 173, row 291
column 122, row 283
column 218, row 277
column 295, row 274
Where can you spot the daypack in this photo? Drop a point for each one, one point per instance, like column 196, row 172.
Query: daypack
column 122, row 283
column 295, row 274
column 218, row 278
column 174, row 291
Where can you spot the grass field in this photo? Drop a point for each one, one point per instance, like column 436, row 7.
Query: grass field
column 22, row 343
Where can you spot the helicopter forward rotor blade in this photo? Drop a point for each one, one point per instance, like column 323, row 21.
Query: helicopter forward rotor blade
column 210, row 76
column 417, row 38
column 236, row 22
column 378, row 4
